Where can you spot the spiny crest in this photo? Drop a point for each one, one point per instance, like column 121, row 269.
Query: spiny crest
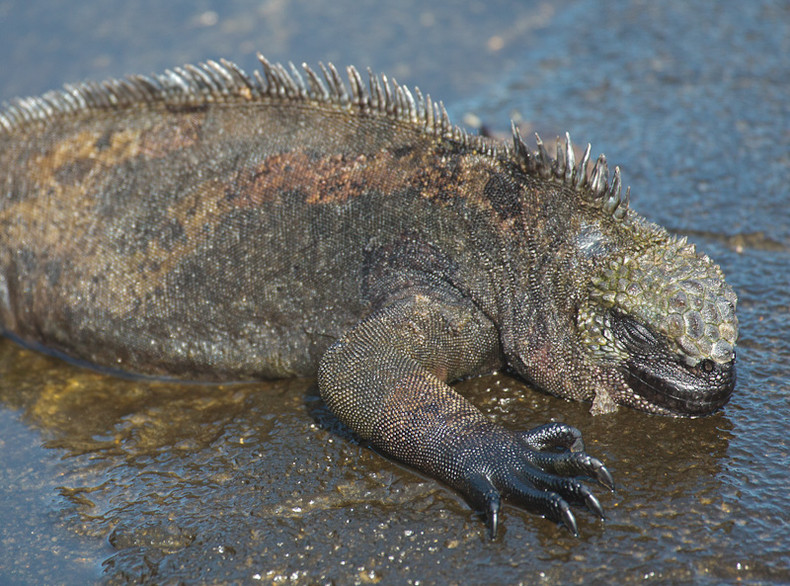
column 214, row 82
column 224, row 81
column 563, row 167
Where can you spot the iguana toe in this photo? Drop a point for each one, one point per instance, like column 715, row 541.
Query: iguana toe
column 498, row 464
column 554, row 435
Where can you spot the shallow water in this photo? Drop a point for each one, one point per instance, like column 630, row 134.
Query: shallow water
column 121, row 480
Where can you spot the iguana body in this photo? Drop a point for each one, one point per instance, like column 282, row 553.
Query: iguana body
column 206, row 224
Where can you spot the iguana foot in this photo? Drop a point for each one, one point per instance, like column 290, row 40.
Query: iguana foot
column 535, row 470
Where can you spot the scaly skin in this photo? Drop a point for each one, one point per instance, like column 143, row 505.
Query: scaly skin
column 206, row 224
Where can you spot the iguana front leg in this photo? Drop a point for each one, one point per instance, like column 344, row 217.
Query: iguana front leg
column 385, row 379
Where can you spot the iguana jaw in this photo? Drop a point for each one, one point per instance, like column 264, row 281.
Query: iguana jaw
column 670, row 387
column 638, row 367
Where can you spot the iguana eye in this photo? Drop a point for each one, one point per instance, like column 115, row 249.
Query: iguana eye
column 636, row 337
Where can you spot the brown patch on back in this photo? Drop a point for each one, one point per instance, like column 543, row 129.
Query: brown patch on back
column 323, row 180
column 74, row 156
column 337, row 178
column 476, row 179
column 64, row 178
column 84, row 151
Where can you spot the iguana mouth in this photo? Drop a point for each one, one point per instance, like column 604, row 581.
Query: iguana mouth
column 682, row 390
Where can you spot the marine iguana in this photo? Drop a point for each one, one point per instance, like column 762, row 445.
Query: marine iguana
column 209, row 224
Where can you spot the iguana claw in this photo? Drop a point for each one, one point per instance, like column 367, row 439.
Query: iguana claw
column 500, row 464
column 569, row 521
column 493, row 516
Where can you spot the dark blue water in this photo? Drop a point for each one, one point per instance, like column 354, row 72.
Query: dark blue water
column 122, row 480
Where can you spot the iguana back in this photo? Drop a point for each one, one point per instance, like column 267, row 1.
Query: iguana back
column 220, row 238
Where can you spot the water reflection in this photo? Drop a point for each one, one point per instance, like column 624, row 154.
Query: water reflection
column 171, row 473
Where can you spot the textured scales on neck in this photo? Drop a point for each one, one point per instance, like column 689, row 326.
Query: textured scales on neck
column 216, row 82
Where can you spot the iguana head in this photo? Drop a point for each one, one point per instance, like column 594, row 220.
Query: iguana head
column 642, row 319
column 663, row 323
